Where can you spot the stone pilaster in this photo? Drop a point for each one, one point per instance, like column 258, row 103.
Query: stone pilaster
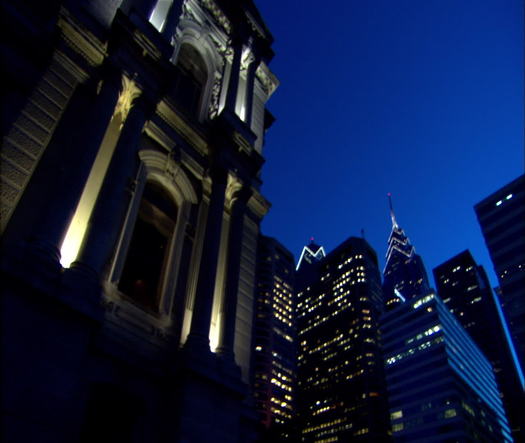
column 250, row 83
column 106, row 219
column 233, row 83
column 201, row 318
column 76, row 143
column 229, row 305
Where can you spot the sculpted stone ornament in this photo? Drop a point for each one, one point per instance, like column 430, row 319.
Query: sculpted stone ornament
column 130, row 91
column 171, row 168
column 217, row 14
column 247, row 58
column 232, row 190
column 213, row 110
column 267, row 79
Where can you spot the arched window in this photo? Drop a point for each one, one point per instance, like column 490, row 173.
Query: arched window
column 191, row 79
column 145, row 263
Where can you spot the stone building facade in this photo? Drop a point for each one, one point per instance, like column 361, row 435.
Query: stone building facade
column 131, row 157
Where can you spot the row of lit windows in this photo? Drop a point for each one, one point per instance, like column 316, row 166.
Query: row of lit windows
column 348, row 260
column 282, row 295
column 281, row 403
column 282, row 308
column 430, row 331
column 282, row 376
column 422, row 301
column 282, row 368
column 282, row 334
column 325, row 425
column 414, row 350
column 355, row 374
column 282, row 319
column 281, row 385
column 281, row 412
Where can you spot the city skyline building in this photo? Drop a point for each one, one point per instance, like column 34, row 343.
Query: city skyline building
column 341, row 390
column 501, row 217
column 274, row 354
column 404, row 275
column 465, row 289
column 310, row 254
column 440, row 385
column 130, row 210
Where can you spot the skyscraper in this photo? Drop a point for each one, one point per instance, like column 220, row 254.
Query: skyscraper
column 310, row 255
column 440, row 386
column 464, row 288
column 404, row 276
column 341, row 391
column 274, row 353
column 502, row 219
column 130, row 211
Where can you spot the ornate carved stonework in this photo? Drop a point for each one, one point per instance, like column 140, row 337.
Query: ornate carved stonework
column 268, row 80
column 213, row 109
column 247, row 57
column 233, row 187
column 172, row 168
column 189, row 14
column 130, row 91
column 217, row 14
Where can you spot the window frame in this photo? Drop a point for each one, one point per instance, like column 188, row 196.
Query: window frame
column 155, row 167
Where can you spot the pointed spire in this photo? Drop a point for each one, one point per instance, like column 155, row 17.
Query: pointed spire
column 392, row 215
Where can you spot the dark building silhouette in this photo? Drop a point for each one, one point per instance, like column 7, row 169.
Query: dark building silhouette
column 404, row 276
column 274, row 352
column 130, row 211
column 464, row 287
column 502, row 219
column 341, row 391
column 440, row 386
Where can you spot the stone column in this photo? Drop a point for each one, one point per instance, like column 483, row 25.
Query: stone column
column 229, row 305
column 202, row 308
column 233, row 83
column 106, row 220
column 250, row 83
column 74, row 147
column 172, row 19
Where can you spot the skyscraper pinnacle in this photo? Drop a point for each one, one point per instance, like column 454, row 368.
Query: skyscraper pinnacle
column 405, row 276
column 392, row 215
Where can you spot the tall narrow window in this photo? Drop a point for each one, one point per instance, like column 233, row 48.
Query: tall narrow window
column 145, row 263
column 191, row 79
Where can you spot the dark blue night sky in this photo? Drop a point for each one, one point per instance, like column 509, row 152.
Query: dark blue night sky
column 423, row 99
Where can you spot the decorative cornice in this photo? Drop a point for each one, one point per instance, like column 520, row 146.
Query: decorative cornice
column 267, row 78
column 217, row 14
column 173, row 119
column 258, row 205
column 82, row 41
column 255, row 26
column 241, row 142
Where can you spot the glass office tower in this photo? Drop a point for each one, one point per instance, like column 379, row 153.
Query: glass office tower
column 440, row 386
